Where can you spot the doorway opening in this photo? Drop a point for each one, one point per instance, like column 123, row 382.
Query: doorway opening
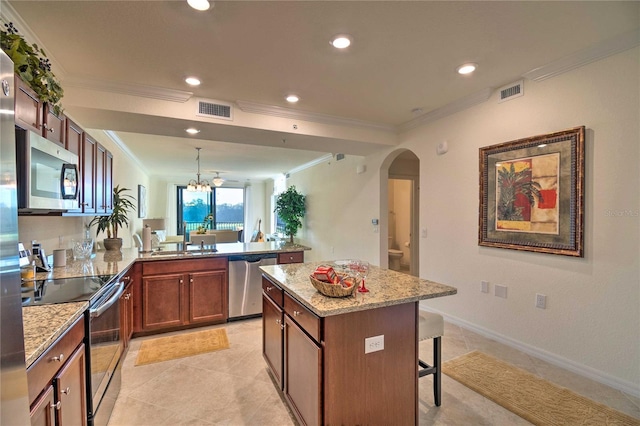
column 400, row 200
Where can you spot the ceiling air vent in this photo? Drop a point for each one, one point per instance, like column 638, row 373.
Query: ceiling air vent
column 511, row 91
column 214, row 109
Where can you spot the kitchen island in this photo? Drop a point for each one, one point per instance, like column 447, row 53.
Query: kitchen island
column 351, row 360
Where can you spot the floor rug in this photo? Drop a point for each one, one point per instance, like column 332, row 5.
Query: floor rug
column 182, row 345
column 532, row 398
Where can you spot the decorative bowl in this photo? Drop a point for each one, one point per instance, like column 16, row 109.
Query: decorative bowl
column 335, row 290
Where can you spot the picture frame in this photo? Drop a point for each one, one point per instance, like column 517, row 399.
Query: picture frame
column 142, row 201
column 532, row 194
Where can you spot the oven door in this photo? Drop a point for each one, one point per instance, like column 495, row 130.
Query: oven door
column 105, row 343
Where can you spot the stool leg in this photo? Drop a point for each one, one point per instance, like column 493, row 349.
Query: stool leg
column 437, row 383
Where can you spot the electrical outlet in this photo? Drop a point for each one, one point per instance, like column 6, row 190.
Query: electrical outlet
column 374, row 344
column 501, row 291
column 485, row 286
column 541, row 301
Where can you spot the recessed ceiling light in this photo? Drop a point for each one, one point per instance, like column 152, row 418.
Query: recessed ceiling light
column 192, row 131
column 199, row 4
column 467, row 68
column 341, row 41
column 292, row 99
column 192, row 81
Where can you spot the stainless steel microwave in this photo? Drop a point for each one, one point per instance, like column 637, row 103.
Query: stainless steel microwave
column 47, row 174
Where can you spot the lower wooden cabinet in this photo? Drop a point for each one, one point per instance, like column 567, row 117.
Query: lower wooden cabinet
column 272, row 337
column 302, row 373
column 126, row 314
column 57, row 381
column 180, row 293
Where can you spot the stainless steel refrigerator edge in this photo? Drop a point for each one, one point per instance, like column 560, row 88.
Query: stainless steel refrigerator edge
column 13, row 374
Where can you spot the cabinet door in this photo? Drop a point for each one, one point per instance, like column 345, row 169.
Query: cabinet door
column 162, row 301
column 71, row 390
column 88, row 170
column 53, row 126
column 272, row 337
column 302, row 374
column 73, row 139
column 126, row 314
column 43, row 412
column 28, row 108
column 101, row 159
column 108, row 182
column 207, row 297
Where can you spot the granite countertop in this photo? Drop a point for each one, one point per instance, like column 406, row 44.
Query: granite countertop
column 115, row 263
column 43, row 324
column 386, row 288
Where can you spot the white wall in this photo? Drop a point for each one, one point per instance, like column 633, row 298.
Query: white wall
column 592, row 320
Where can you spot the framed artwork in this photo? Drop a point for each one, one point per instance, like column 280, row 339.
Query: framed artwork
column 142, row 201
column 532, row 194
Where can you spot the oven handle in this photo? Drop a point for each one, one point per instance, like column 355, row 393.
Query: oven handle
column 96, row 312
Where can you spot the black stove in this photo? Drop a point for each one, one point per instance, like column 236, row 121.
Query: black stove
column 62, row 290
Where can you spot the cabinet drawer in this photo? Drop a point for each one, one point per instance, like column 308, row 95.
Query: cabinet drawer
column 274, row 292
column 40, row 373
column 292, row 257
column 303, row 316
column 183, row 265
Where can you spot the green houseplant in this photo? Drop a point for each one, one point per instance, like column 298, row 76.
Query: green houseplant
column 31, row 64
column 122, row 205
column 290, row 208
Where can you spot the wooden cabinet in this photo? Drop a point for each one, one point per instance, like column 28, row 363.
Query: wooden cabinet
column 291, row 257
column 32, row 114
column 88, row 173
column 292, row 350
column 273, row 330
column 57, row 381
column 126, row 311
column 181, row 293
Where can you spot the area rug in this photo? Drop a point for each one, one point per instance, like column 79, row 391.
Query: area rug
column 182, row 345
column 532, row 398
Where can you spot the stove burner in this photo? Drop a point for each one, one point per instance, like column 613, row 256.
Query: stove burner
column 44, row 292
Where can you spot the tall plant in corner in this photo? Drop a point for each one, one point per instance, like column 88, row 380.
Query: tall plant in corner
column 31, row 64
column 122, row 205
column 290, row 208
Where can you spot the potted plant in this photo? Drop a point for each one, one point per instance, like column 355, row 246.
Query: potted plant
column 31, row 64
column 291, row 209
column 122, row 204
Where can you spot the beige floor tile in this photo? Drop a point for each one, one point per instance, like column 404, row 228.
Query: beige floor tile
column 233, row 387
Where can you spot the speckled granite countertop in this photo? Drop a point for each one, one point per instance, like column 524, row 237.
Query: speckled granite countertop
column 44, row 324
column 115, row 263
column 386, row 288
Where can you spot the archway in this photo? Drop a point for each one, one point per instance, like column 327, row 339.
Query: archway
column 399, row 211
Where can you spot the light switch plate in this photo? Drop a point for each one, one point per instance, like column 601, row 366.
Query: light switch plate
column 501, row 291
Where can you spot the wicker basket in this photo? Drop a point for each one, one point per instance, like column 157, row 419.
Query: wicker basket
column 333, row 290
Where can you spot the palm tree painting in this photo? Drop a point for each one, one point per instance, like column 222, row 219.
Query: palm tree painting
column 517, row 191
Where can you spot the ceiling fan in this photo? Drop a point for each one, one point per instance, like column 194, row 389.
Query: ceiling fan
column 219, row 181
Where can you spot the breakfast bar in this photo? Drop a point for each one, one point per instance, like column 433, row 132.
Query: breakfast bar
column 349, row 360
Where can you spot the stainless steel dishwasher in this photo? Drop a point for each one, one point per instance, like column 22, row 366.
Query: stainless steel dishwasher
column 245, row 284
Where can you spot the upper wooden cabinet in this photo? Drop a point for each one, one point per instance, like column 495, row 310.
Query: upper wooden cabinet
column 32, row 114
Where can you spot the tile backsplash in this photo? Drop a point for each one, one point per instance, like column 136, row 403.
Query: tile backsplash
column 52, row 232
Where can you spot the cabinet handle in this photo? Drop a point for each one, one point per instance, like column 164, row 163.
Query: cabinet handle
column 66, row 391
column 127, row 296
column 269, row 288
column 297, row 313
column 190, row 280
column 58, row 358
column 279, row 322
column 181, row 281
column 56, row 406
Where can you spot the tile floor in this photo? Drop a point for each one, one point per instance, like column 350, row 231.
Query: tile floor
column 232, row 386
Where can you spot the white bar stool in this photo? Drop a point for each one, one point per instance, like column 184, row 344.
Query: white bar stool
column 431, row 326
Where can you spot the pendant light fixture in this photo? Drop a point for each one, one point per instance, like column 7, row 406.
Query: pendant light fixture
column 198, row 186
column 218, row 181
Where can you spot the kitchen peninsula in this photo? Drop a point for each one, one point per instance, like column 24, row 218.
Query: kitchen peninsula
column 350, row 360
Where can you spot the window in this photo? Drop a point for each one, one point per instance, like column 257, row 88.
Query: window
column 224, row 205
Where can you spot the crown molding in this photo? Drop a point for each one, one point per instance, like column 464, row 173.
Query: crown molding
column 277, row 111
column 451, row 108
column 9, row 14
column 152, row 92
column 593, row 53
column 120, row 144
column 324, row 158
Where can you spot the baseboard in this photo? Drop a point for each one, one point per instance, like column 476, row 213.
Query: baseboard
column 577, row 368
